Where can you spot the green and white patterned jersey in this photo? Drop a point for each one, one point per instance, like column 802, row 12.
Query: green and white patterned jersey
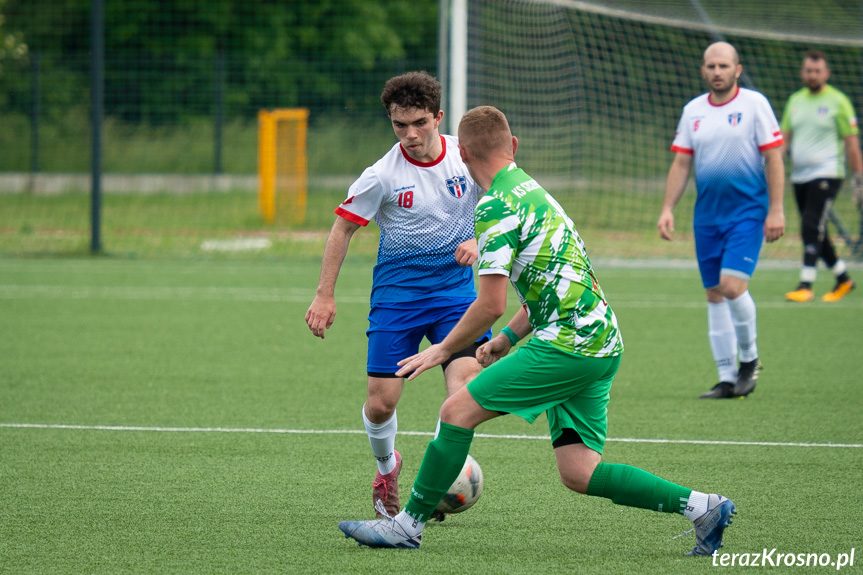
column 818, row 123
column 523, row 233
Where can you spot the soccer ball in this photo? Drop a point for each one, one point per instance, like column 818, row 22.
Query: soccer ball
column 465, row 491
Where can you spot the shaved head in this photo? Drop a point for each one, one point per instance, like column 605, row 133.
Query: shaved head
column 721, row 50
column 721, row 69
column 485, row 143
column 485, row 131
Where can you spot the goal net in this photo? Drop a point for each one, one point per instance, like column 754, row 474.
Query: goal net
column 594, row 90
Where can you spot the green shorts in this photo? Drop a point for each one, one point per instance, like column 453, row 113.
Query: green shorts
column 572, row 389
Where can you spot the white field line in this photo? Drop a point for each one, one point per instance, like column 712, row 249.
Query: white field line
column 410, row 433
column 236, row 245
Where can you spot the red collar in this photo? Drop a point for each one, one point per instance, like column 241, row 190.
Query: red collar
column 722, row 104
column 426, row 164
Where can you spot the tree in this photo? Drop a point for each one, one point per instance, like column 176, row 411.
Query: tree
column 162, row 55
column 12, row 46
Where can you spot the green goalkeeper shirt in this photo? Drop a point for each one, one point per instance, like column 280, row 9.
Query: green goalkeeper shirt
column 818, row 123
column 523, row 233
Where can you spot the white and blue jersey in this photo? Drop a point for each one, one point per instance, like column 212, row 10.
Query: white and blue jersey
column 424, row 211
column 727, row 141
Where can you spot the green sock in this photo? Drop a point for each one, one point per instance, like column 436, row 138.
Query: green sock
column 633, row 487
column 444, row 458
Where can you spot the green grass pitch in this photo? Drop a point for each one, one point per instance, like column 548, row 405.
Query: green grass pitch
column 180, row 418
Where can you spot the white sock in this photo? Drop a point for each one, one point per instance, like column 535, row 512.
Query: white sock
column 696, row 506
column 382, row 437
column 743, row 315
column 723, row 340
column 411, row 526
column 839, row 268
column 808, row 274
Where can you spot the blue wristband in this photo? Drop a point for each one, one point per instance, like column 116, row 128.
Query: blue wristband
column 510, row 335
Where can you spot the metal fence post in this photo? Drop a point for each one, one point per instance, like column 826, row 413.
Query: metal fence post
column 97, row 95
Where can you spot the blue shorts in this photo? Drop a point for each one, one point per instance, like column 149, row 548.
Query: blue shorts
column 396, row 329
column 731, row 249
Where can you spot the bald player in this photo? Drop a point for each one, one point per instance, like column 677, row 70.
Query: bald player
column 731, row 137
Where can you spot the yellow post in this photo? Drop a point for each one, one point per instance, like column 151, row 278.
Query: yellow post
column 282, row 166
column 266, row 166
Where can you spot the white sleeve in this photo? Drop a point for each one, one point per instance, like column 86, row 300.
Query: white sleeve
column 682, row 138
column 767, row 132
column 364, row 198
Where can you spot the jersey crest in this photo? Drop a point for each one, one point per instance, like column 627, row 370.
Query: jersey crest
column 734, row 118
column 457, row 186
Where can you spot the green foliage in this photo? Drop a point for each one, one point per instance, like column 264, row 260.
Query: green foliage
column 163, row 57
column 11, row 45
